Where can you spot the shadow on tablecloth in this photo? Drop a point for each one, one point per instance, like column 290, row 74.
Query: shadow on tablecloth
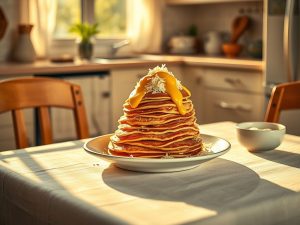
column 217, row 185
column 282, row 157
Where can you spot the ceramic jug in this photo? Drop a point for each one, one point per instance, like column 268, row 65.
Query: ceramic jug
column 213, row 43
column 24, row 50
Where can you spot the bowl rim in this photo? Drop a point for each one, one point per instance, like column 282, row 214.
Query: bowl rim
column 281, row 127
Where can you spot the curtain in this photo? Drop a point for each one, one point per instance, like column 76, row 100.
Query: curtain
column 145, row 25
column 42, row 14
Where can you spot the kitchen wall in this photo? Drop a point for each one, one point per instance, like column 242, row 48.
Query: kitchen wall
column 176, row 20
column 9, row 8
column 212, row 17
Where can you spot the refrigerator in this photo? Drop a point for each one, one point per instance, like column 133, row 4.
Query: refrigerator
column 282, row 46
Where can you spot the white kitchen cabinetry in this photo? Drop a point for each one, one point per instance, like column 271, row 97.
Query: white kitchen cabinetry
column 95, row 91
column 7, row 136
column 232, row 106
column 123, row 82
column 221, row 94
column 193, row 79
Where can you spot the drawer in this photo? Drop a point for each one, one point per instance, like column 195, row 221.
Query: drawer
column 236, row 80
column 233, row 106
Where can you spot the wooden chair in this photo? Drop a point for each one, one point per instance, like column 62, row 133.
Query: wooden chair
column 41, row 93
column 284, row 97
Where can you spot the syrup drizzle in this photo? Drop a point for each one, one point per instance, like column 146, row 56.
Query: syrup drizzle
column 171, row 88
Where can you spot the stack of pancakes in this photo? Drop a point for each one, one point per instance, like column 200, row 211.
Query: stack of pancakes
column 156, row 129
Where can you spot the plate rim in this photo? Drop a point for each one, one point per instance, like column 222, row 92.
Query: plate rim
column 156, row 160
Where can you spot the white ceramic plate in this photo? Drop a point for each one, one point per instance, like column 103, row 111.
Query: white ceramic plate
column 215, row 147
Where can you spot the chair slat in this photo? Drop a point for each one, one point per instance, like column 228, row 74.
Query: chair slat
column 284, row 97
column 79, row 113
column 45, row 125
column 20, row 129
column 41, row 93
column 35, row 92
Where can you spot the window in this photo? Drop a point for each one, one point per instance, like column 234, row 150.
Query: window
column 109, row 14
column 67, row 13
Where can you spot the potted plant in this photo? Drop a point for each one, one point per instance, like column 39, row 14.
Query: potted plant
column 85, row 32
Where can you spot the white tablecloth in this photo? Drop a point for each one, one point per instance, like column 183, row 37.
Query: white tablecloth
column 62, row 184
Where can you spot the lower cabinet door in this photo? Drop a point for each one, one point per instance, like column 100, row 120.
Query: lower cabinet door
column 232, row 106
column 7, row 136
column 95, row 90
column 123, row 82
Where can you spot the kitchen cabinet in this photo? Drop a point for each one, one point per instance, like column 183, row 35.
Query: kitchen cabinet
column 95, row 89
column 220, row 94
column 123, row 82
column 7, row 136
column 232, row 106
column 189, row 2
column 193, row 79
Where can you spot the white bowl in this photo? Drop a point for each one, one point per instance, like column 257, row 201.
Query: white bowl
column 260, row 136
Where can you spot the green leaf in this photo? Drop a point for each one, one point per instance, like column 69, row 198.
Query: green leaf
column 84, row 30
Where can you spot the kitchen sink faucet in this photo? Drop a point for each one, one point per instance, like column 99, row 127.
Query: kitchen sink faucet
column 116, row 46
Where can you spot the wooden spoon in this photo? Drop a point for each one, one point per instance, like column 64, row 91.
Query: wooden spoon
column 239, row 26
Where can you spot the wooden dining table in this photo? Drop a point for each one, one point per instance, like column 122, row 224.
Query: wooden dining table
column 63, row 184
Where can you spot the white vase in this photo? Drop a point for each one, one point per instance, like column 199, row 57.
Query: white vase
column 213, row 43
column 24, row 50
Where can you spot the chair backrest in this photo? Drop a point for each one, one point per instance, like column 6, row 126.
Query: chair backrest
column 41, row 93
column 284, row 97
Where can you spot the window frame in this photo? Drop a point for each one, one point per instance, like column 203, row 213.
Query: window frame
column 66, row 45
column 88, row 16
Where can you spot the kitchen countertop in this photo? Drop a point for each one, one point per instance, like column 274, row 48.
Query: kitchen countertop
column 47, row 67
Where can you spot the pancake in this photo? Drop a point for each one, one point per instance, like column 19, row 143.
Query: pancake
column 158, row 121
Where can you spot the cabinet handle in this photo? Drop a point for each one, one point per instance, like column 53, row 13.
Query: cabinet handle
column 235, row 107
column 198, row 80
column 105, row 94
column 233, row 81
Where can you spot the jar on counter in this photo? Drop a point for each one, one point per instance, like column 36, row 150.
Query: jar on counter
column 255, row 49
column 213, row 43
column 24, row 50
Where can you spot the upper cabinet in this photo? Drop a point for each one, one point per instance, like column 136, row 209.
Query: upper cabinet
column 227, row 28
column 187, row 2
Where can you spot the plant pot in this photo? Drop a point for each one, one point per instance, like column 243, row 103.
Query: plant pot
column 85, row 50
